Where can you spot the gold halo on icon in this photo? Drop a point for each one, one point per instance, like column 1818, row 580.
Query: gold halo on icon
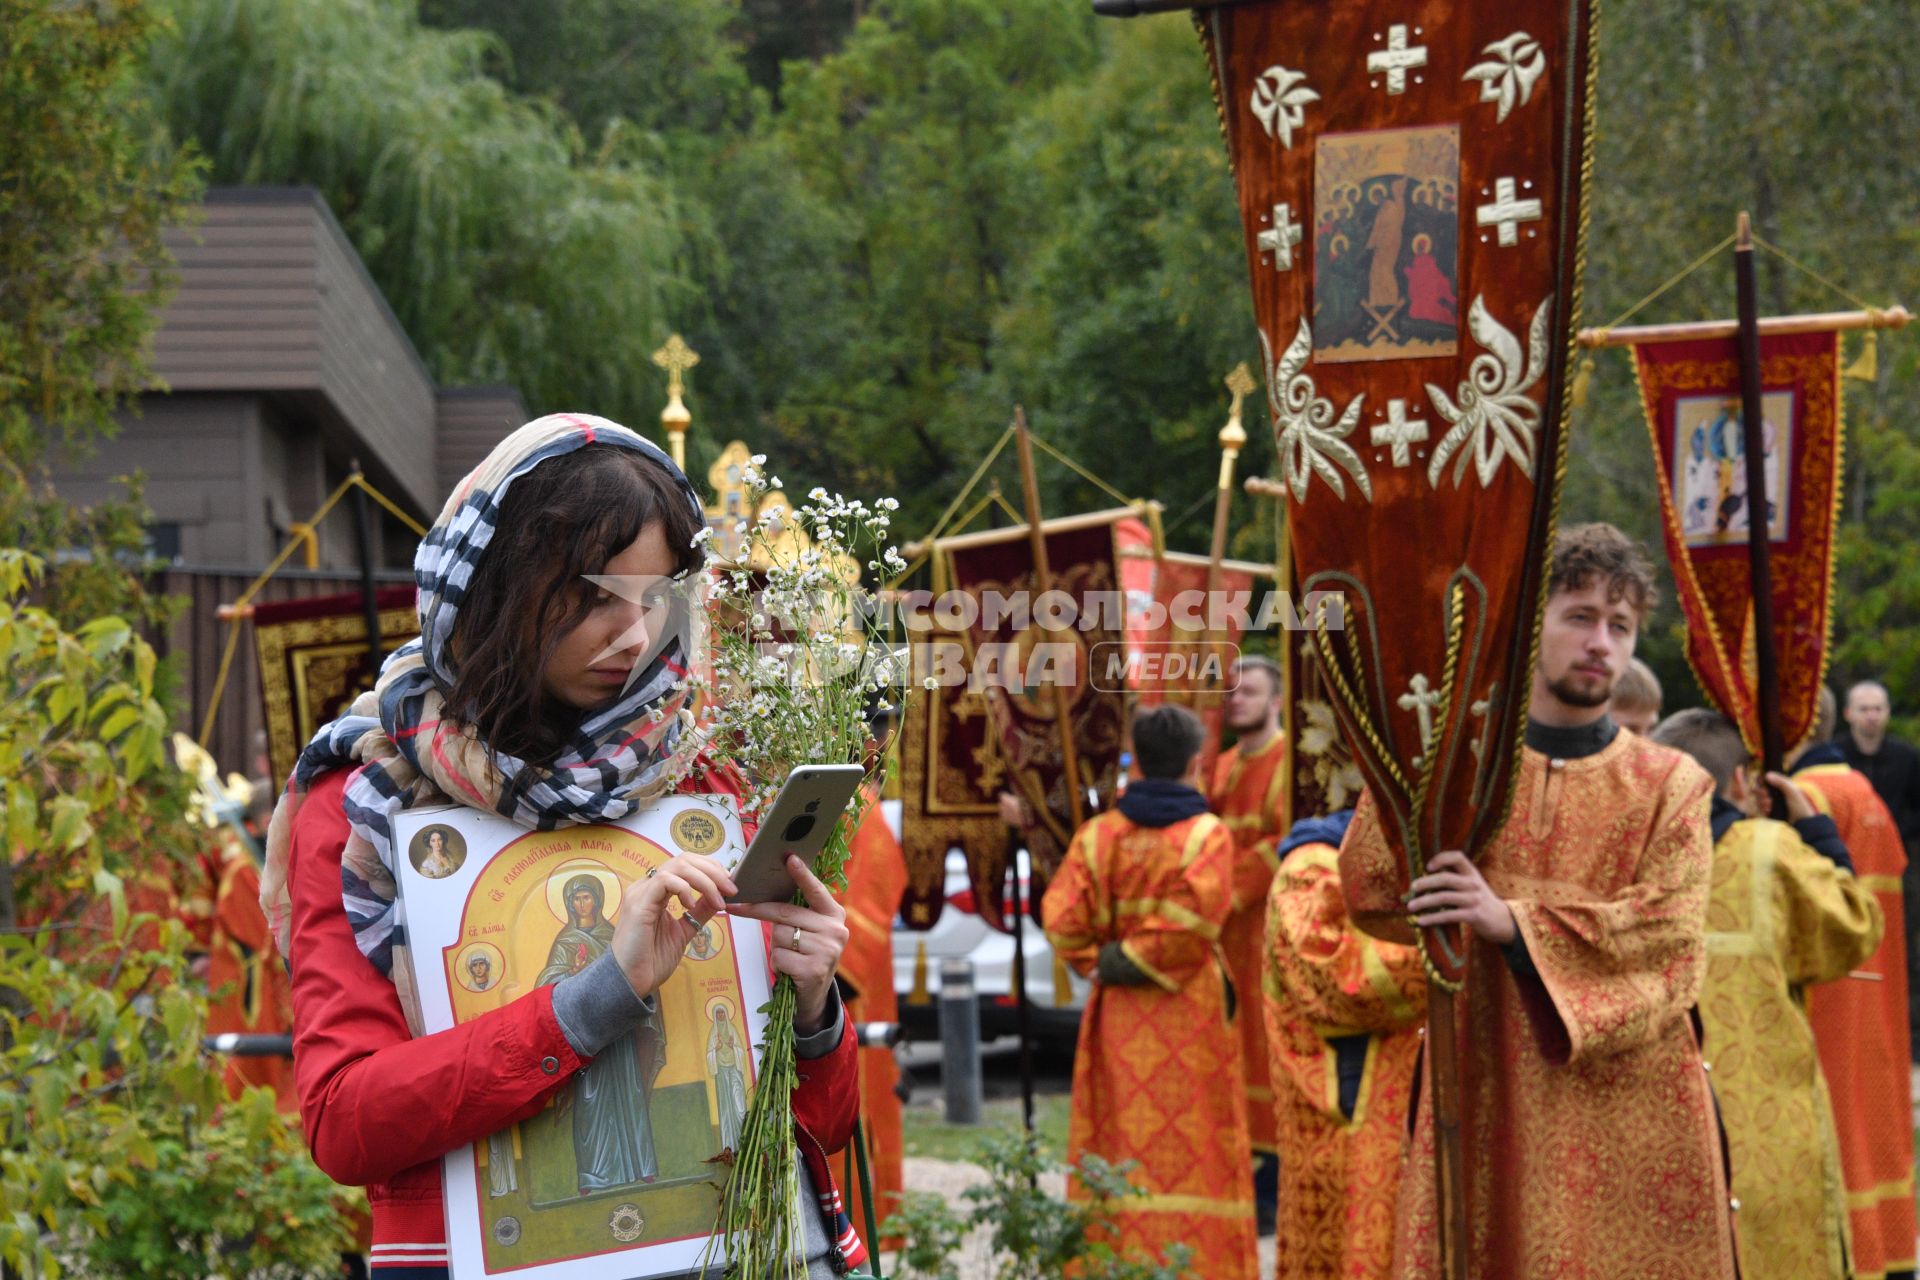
column 463, row 957
column 557, row 885
column 721, row 1002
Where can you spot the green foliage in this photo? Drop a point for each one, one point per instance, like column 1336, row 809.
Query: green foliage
column 109, row 1115
column 938, row 208
column 509, row 249
column 118, row 1153
column 236, row 1194
column 1684, row 144
column 82, row 269
column 81, row 261
column 1030, row 1235
column 664, row 66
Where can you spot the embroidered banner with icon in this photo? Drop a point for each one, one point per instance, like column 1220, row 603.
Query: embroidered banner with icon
column 1691, row 394
column 1411, row 185
column 313, row 661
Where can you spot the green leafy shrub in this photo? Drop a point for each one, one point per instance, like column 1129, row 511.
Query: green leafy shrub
column 1031, row 1234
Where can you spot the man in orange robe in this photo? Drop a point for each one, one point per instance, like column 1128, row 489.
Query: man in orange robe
column 247, row 984
column 1591, row 1148
column 1137, row 905
column 1248, row 793
column 1860, row 1022
column 1343, row 1013
column 876, row 880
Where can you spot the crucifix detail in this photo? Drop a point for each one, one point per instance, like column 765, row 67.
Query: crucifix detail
column 1397, row 58
column 1507, row 211
column 1401, row 432
column 1280, row 238
column 1421, row 701
column 676, row 358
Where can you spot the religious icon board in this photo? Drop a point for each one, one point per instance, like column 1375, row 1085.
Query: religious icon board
column 1710, row 467
column 618, row 1177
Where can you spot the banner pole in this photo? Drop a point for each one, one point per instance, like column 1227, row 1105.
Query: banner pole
column 369, row 598
column 1043, row 583
column 1759, row 509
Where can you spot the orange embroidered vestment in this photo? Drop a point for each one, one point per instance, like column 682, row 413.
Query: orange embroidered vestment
column 1325, row 981
column 1588, row 1128
column 1156, row 1079
column 876, row 879
column 1860, row 1030
column 1248, row 794
column 247, row 983
column 1781, row 918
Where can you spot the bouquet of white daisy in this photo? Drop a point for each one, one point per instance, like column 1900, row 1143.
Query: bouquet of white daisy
column 799, row 660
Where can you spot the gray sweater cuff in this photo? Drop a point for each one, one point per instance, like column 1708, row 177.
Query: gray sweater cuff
column 597, row 1006
column 827, row 1038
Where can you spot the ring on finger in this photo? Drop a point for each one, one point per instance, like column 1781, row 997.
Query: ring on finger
column 793, row 943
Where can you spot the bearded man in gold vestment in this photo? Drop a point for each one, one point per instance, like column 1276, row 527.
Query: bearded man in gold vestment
column 1786, row 912
column 1591, row 1149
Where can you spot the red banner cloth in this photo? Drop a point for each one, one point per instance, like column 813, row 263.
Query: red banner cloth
column 1691, row 394
column 1411, row 182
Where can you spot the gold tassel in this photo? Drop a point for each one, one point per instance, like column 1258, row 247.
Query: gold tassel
column 1866, row 366
column 920, row 994
column 1582, row 380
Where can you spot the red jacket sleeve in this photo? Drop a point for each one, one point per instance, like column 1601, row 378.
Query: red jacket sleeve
column 827, row 1096
column 375, row 1101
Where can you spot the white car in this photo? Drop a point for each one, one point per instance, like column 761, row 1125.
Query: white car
column 1055, row 996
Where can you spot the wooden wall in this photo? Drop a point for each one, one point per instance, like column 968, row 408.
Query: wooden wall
column 471, row 421
column 273, row 300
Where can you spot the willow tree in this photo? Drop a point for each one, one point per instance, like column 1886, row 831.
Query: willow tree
column 508, row 249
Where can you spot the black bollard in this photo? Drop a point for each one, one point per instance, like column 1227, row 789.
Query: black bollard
column 960, row 1042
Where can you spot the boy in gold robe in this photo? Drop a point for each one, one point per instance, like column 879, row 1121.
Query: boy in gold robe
column 1343, row 1014
column 1588, row 1129
column 1136, row 906
column 1786, row 912
column 1247, row 793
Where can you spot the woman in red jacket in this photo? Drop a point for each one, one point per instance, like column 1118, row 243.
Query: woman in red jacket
column 545, row 687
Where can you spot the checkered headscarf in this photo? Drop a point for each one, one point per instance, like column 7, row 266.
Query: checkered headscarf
column 408, row 752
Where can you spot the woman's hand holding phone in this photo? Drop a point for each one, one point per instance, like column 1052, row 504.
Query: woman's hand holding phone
column 648, row 941
column 807, row 942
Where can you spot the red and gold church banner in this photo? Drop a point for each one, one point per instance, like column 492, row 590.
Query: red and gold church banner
column 950, row 778
column 1691, row 394
column 1411, row 180
column 1017, row 645
column 313, row 661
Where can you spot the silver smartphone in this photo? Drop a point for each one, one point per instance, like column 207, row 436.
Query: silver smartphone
column 801, row 820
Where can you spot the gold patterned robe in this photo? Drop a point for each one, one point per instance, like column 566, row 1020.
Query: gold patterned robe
column 1781, row 918
column 1249, row 795
column 1156, row 1078
column 1588, row 1127
column 1338, row 1175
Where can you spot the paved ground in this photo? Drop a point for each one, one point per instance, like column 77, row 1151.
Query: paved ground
column 948, row 1178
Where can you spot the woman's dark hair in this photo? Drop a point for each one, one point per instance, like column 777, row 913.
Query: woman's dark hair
column 565, row 518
